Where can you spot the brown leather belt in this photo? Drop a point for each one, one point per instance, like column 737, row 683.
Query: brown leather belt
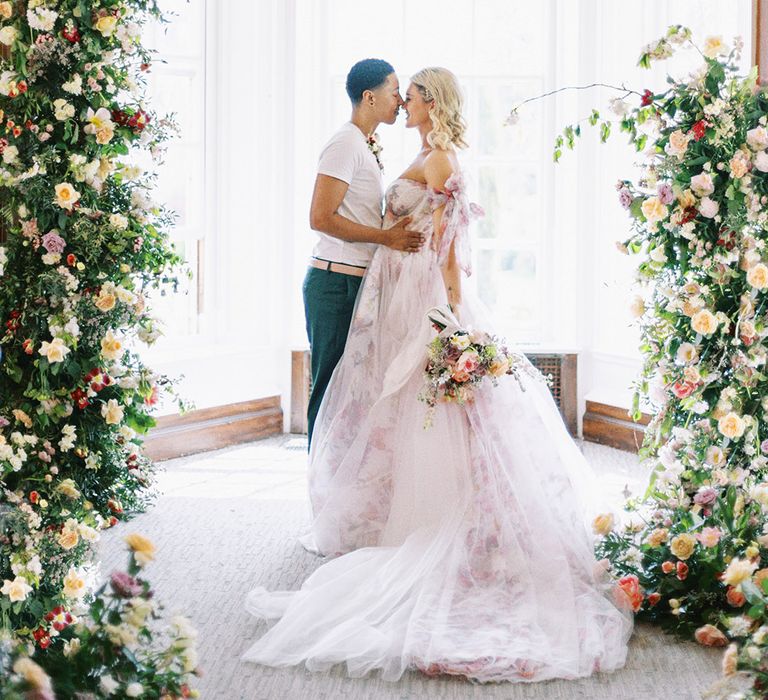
column 341, row 268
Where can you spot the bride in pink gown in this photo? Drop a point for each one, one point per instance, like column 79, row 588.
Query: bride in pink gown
column 462, row 548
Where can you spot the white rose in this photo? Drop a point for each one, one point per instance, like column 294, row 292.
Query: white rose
column 134, row 690
column 757, row 138
column 66, row 195
column 108, row 685
column 658, row 255
column 63, row 110
column 8, row 35
column 708, row 207
column 112, row 412
column 686, row 353
column 74, row 86
column 10, row 155
column 637, row 307
column 760, row 161
column 118, row 221
column 702, row 184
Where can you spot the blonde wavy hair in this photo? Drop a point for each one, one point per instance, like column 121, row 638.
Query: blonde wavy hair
column 440, row 86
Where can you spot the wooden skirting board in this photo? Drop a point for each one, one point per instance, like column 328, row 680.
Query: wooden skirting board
column 214, row 428
column 613, row 426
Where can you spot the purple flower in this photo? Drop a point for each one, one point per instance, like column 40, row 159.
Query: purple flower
column 625, row 198
column 666, row 196
column 705, row 496
column 764, row 447
column 124, row 585
column 53, row 242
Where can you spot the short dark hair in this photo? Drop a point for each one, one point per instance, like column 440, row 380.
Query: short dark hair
column 368, row 74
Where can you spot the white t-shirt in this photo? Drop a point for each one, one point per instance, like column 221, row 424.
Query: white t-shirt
column 347, row 157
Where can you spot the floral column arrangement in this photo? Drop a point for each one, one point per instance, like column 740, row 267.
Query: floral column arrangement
column 83, row 244
column 693, row 555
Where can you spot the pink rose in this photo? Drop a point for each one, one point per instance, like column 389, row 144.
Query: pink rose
column 53, row 242
column 709, row 536
column 683, row 389
column 468, row 362
column 705, row 496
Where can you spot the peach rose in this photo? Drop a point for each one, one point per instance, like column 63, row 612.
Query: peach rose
column 6, row 10
column 105, row 301
column 68, row 538
column 143, row 549
column 686, row 199
column 658, row 537
column 757, row 276
column 732, row 425
column 710, row 636
column 739, row 165
column 667, row 567
column 730, row 659
column 678, row 143
column 704, row 322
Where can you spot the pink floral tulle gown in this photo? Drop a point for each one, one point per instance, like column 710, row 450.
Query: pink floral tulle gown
column 459, row 549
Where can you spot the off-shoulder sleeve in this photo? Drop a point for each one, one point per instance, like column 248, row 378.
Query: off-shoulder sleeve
column 457, row 214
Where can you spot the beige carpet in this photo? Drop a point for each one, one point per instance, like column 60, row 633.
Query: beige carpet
column 228, row 521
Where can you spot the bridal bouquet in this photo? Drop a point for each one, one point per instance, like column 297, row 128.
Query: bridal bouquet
column 458, row 359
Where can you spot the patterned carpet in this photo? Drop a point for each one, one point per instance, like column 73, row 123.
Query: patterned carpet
column 228, row 520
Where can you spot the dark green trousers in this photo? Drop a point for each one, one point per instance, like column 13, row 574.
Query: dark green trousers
column 329, row 299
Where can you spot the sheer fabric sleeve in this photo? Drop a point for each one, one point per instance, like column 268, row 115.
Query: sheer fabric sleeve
column 457, row 214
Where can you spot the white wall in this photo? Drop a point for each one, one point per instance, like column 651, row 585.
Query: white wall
column 270, row 105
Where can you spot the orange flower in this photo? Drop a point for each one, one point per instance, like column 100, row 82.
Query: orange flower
column 710, row 636
column 633, row 593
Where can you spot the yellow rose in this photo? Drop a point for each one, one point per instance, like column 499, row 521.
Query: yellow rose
column 105, row 301
column 731, row 425
column 111, row 347
column 603, row 524
column 658, row 537
column 74, row 585
column 55, row 351
column 653, row 209
column 682, row 546
column 704, row 322
column 714, row 46
column 143, row 549
column 686, row 199
column 68, row 538
column 112, row 412
column 106, row 25
column 499, row 367
column 6, row 10
column 105, row 134
column 757, row 276
column 67, row 488
column 66, row 195
column 738, row 571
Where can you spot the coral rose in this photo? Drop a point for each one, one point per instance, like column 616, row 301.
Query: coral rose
column 633, row 593
column 710, row 636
